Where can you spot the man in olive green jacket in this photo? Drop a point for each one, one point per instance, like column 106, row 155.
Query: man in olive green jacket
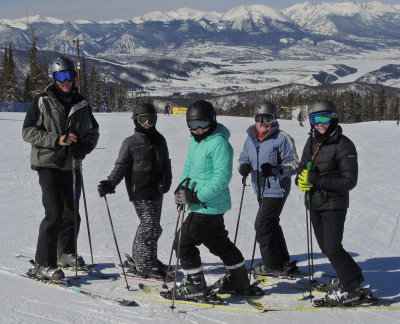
column 60, row 126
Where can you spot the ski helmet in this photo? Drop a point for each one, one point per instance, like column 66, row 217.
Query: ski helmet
column 201, row 110
column 143, row 109
column 61, row 64
column 265, row 108
column 322, row 105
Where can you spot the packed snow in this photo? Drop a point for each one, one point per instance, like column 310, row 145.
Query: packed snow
column 372, row 231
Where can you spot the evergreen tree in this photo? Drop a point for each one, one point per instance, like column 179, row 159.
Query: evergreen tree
column 381, row 105
column 122, row 99
column 394, row 107
column 33, row 81
column 4, row 74
column 9, row 84
column 84, row 79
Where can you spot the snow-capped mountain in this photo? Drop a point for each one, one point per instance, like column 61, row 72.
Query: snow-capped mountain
column 347, row 19
column 196, row 51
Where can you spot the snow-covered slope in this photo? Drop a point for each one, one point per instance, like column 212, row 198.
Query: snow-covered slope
column 372, row 230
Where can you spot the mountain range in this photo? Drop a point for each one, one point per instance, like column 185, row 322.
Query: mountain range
column 247, row 48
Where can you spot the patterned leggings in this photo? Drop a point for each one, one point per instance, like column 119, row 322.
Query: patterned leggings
column 144, row 247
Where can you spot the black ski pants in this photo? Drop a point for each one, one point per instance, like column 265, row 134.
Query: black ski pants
column 328, row 228
column 208, row 230
column 56, row 231
column 269, row 234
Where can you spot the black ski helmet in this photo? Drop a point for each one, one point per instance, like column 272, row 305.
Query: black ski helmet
column 265, row 108
column 201, row 110
column 61, row 64
column 143, row 108
column 322, row 105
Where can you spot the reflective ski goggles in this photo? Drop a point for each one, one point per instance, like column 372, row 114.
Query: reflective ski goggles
column 64, row 75
column 265, row 119
column 323, row 117
column 195, row 124
column 144, row 119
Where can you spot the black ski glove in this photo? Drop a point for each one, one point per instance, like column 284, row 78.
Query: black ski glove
column 80, row 149
column 186, row 197
column 163, row 187
column 245, row 169
column 268, row 170
column 105, row 187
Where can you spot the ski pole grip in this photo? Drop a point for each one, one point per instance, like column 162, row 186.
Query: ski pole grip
column 309, row 165
column 182, row 185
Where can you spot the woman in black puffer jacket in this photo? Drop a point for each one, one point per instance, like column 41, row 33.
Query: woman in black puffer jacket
column 333, row 173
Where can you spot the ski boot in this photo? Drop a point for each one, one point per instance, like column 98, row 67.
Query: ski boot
column 194, row 289
column 236, row 282
column 341, row 298
column 67, row 260
column 329, row 286
column 49, row 273
column 287, row 271
column 158, row 271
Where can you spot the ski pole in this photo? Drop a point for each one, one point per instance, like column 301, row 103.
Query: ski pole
column 182, row 208
column 172, row 250
column 176, row 229
column 116, row 243
column 177, row 258
column 257, row 218
column 86, row 212
column 75, row 217
column 309, row 240
column 240, row 209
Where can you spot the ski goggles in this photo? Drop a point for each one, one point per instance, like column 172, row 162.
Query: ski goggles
column 195, row 124
column 265, row 119
column 144, row 119
column 65, row 75
column 323, row 117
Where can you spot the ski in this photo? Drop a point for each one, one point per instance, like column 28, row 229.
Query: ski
column 130, row 275
column 87, row 270
column 66, row 285
column 118, row 301
column 155, row 290
column 250, row 299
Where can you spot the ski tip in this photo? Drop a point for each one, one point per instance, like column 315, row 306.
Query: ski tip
column 128, row 303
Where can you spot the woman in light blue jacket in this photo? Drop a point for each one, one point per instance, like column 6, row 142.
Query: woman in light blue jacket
column 209, row 167
column 269, row 155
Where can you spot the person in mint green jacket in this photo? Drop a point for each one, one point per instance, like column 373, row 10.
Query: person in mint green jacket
column 209, row 167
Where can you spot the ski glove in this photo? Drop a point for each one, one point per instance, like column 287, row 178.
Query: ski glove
column 105, row 187
column 80, row 149
column 186, row 197
column 245, row 169
column 302, row 180
column 268, row 170
column 163, row 187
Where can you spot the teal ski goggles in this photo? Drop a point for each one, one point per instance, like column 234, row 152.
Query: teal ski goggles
column 322, row 117
column 61, row 76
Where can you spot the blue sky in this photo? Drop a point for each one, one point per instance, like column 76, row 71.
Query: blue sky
column 126, row 9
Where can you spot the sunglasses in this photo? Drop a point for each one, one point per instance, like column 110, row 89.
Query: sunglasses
column 265, row 119
column 144, row 119
column 322, row 117
column 65, row 75
column 195, row 124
